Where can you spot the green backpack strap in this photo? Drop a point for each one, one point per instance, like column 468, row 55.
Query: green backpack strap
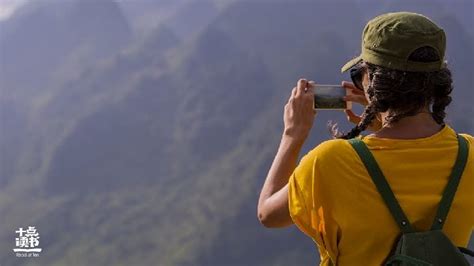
column 451, row 187
column 388, row 196
column 381, row 183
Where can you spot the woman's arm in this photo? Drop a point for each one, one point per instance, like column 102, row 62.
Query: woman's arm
column 272, row 210
column 273, row 202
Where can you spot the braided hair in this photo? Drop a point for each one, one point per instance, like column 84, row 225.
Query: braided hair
column 403, row 93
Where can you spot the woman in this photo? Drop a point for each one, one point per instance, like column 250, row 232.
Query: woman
column 403, row 80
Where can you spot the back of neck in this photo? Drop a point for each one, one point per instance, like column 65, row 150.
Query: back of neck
column 421, row 125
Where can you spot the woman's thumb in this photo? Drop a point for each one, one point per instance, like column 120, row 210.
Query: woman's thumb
column 351, row 117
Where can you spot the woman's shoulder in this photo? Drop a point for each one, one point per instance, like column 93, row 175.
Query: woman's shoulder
column 342, row 147
column 468, row 137
column 331, row 148
column 470, row 141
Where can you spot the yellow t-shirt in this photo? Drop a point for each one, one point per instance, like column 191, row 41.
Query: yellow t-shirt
column 333, row 200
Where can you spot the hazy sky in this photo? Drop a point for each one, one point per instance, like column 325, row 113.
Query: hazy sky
column 7, row 7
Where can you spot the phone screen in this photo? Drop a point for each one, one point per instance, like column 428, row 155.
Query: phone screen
column 330, row 97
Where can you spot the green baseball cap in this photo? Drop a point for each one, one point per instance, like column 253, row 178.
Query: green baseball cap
column 390, row 38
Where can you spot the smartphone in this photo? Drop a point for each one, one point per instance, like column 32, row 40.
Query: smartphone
column 330, row 97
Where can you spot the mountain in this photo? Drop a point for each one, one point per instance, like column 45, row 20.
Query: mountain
column 145, row 15
column 43, row 36
column 192, row 18
column 43, row 45
column 185, row 17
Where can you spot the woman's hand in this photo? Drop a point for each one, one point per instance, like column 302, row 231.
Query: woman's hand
column 359, row 97
column 299, row 111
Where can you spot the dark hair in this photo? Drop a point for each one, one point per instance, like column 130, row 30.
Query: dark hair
column 404, row 93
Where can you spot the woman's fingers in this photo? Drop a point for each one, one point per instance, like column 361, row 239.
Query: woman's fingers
column 355, row 95
column 299, row 112
column 357, row 92
column 305, row 91
column 355, row 98
column 349, row 85
column 350, row 97
column 293, row 92
column 301, row 86
column 351, row 117
column 352, row 88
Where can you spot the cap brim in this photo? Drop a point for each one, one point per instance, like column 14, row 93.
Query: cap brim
column 351, row 63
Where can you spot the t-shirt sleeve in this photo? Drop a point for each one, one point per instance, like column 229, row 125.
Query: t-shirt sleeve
column 301, row 199
column 308, row 203
column 470, row 140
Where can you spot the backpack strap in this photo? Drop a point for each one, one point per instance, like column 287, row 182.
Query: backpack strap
column 451, row 187
column 381, row 183
column 388, row 196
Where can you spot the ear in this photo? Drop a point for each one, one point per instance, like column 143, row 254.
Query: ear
column 365, row 84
